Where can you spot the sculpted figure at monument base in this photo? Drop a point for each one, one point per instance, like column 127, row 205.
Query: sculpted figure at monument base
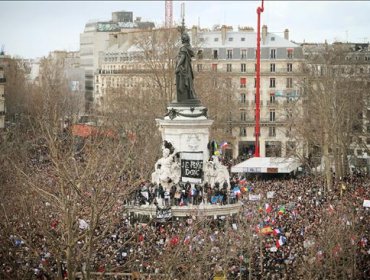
column 215, row 172
column 167, row 170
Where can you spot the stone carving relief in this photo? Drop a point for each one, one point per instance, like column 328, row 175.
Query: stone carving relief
column 193, row 142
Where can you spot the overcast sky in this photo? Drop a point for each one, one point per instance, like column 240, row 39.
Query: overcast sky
column 34, row 28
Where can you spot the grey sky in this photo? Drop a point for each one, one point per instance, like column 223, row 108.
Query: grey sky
column 32, row 29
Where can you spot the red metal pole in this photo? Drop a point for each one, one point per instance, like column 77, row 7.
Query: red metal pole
column 258, row 76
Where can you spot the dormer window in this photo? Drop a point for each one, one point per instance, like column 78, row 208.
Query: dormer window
column 272, row 53
column 290, row 53
column 215, row 54
column 229, row 54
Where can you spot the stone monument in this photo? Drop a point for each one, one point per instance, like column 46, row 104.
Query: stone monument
column 185, row 132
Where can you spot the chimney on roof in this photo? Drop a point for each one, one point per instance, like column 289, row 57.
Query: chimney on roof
column 286, row 34
column 223, row 34
column 264, row 34
column 194, row 34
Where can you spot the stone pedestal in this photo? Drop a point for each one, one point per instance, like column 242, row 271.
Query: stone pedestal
column 187, row 128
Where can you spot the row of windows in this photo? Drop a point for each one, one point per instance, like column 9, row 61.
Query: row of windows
column 243, row 98
column 289, row 82
column 243, row 54
column 272, row 131
column 366, row 58
column 322, row 70
column 272, row 115
column 230, row 39
column 243, row 67
column 270, row 101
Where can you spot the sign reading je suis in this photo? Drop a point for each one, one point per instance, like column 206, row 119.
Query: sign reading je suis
column 192, row 167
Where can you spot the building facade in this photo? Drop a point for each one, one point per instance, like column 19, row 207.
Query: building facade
column 94, row 40
column 233, row 54
column 3, row 64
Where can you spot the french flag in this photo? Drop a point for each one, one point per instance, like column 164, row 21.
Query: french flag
column 280, row 242
column 277, row 232
column 268, row 208
column 224, row 145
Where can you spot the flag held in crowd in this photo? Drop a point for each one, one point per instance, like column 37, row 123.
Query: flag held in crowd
column 277, row 232
column 224, row 145
column 266, row 230
column 280, row 242
column 281, row 210
column 268, row 208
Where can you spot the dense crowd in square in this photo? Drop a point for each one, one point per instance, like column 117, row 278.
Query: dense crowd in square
column 292, row 226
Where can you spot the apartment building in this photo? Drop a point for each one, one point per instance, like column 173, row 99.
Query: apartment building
column 94, row 40
column 232, row 53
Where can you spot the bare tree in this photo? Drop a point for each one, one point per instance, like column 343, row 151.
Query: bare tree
column 331, row 96
column 75, row 188
column 217, row 92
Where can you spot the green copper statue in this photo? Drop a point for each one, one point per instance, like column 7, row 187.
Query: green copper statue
column 184, row 72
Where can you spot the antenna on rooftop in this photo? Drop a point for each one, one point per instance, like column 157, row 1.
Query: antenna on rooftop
column 168, row 13
column 182, row 28
column 2, row 51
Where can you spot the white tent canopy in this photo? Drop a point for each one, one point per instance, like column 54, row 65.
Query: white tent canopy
column 266, row 165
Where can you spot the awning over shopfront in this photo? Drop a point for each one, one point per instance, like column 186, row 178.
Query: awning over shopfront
column 267, row 165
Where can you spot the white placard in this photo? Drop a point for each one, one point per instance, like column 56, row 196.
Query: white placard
column 254, row 197
column 270, row 194
column 366, row 203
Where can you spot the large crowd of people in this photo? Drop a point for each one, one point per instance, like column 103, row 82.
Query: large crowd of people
column 294, row 227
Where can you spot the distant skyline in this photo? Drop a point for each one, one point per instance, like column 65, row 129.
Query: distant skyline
column 33, row 29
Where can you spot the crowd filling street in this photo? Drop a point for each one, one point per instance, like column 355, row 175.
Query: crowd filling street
column 286, row 228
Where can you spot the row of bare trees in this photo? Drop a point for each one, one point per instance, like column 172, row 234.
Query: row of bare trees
column 52, row 180
column 333, row 101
